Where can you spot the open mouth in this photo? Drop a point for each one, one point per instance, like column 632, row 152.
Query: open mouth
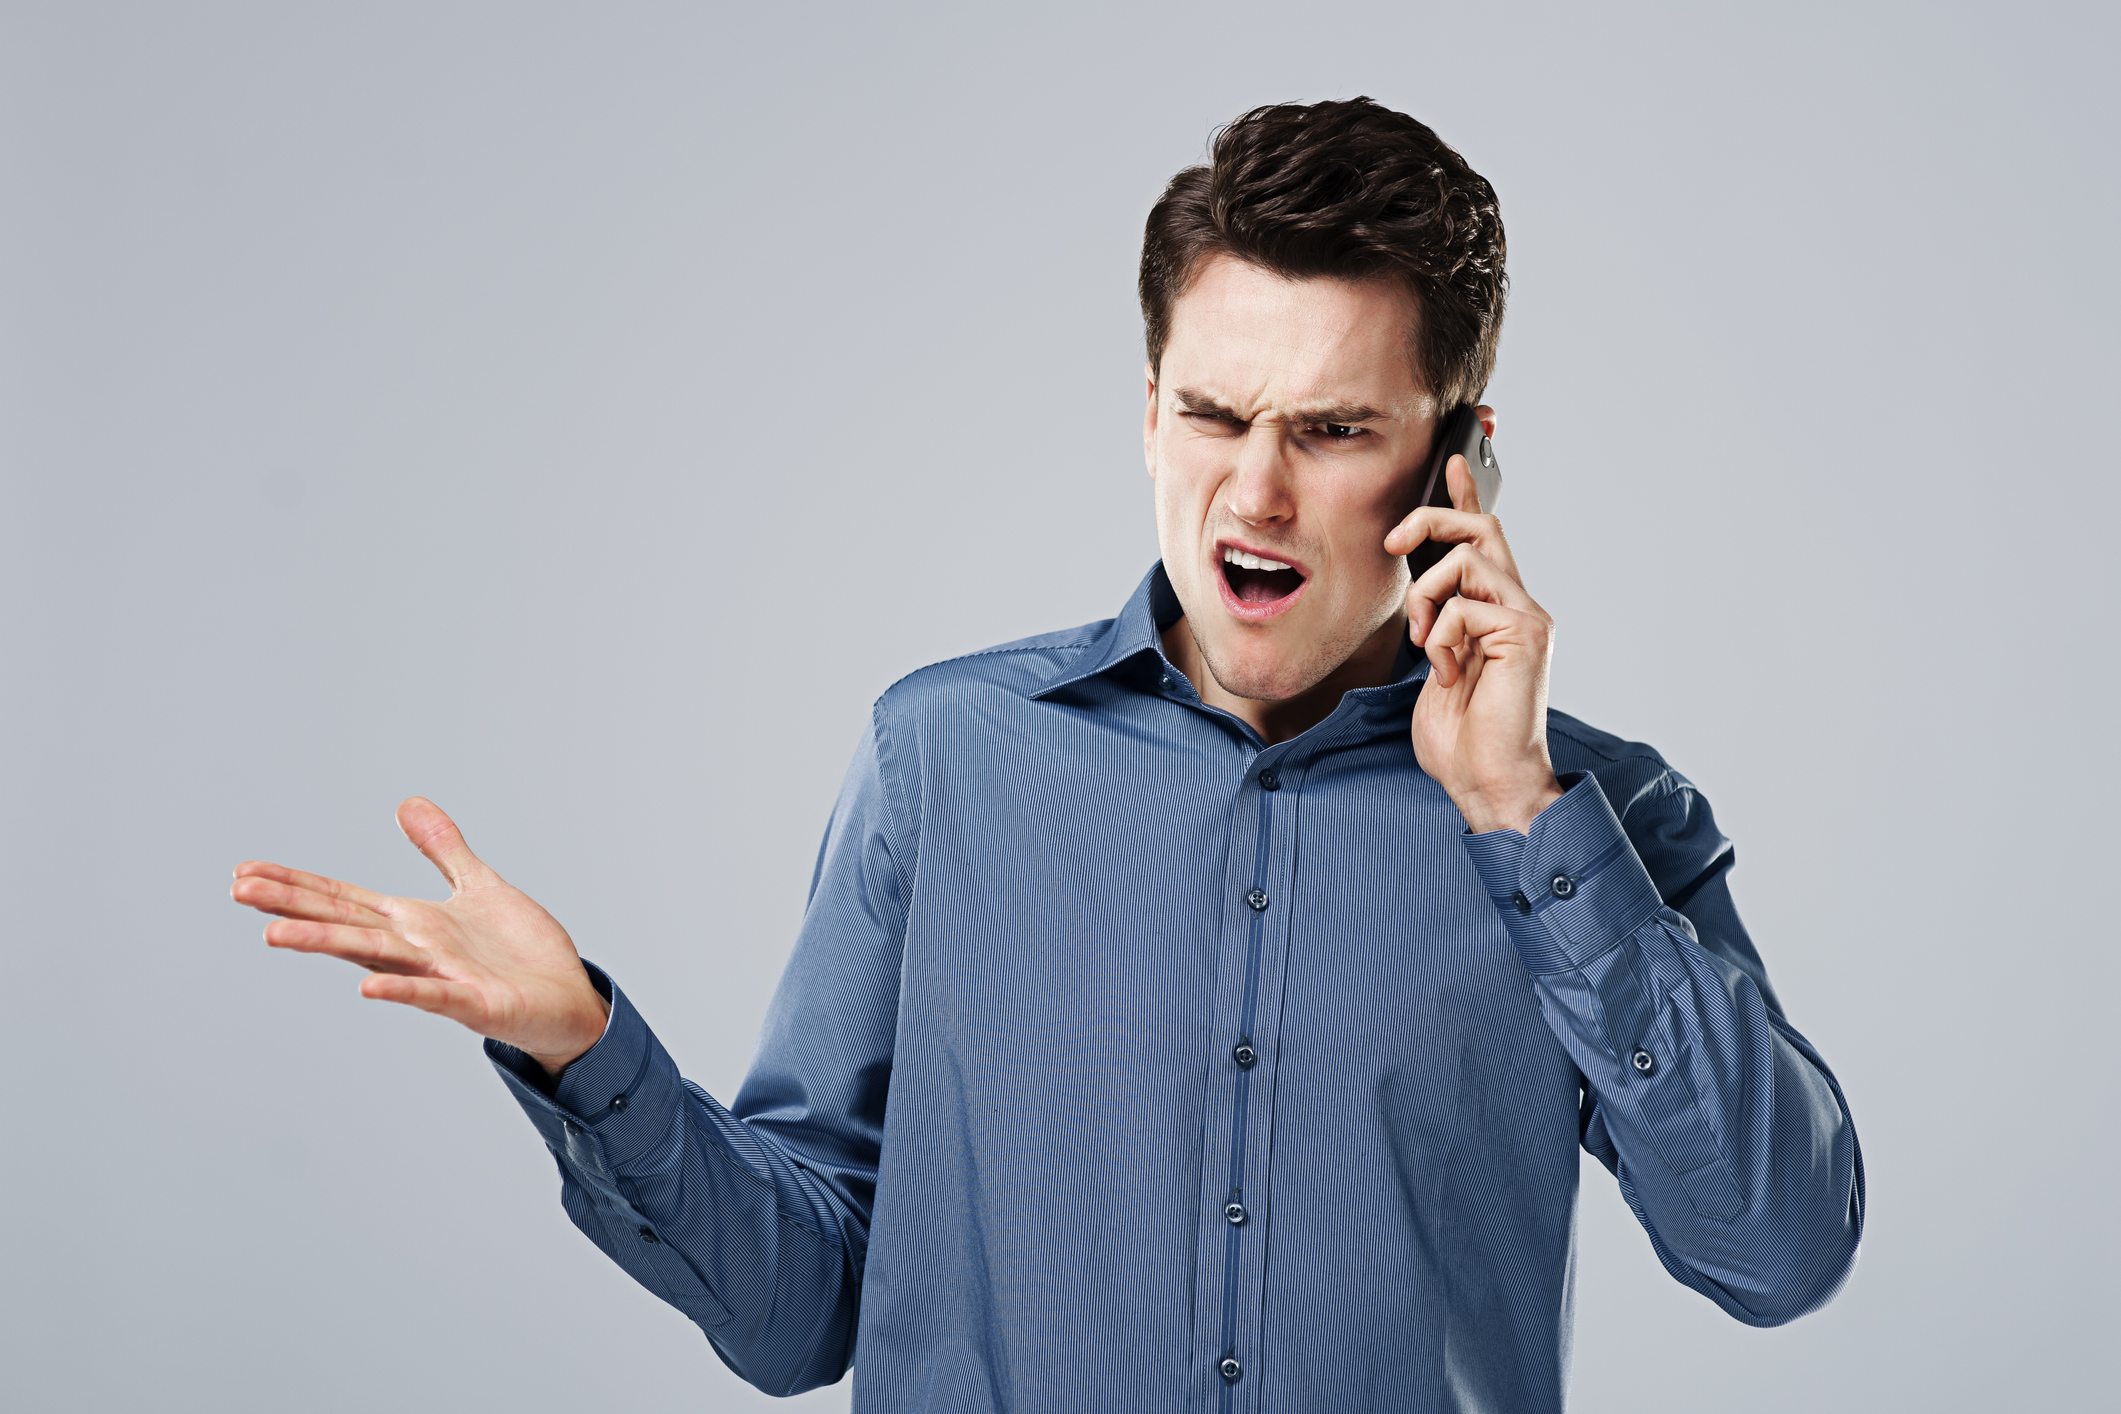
column 1258, row 584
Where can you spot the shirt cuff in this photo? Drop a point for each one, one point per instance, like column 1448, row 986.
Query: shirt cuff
column 622, row 1093
column 1572, row 887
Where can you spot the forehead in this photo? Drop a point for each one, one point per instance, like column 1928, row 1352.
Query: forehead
column 1250, row 335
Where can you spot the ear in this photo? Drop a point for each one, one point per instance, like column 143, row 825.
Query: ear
column 1486, row 415
column 1149, row 422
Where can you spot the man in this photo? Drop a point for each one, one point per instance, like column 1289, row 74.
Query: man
column 1201, row 1008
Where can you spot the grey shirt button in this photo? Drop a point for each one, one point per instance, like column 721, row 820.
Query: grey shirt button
column 1524, row 905
column 1234, row 1212
column 1244, row 1055
column 1270, row 779
column 1258, row 900
column 618, row 1102
column 1643, row 1060
column 1229, row 1369
column 1563, row 886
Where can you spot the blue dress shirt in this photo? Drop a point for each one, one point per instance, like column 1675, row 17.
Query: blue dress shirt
column 1126, row 1062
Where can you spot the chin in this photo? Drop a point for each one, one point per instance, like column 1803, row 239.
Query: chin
column 1264, row 675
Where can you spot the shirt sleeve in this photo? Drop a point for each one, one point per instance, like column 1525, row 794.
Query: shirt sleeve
column 753, row 1219
column 1729, row 1137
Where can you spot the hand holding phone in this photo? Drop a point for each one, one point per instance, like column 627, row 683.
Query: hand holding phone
column 1460, row 435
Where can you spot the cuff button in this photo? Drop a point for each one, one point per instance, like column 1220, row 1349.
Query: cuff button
column 1524, row 905
column 618, row 1102
column 1563, row 886
column 1643, row 1060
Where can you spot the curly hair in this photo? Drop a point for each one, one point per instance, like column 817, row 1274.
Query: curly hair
column 1352, row 190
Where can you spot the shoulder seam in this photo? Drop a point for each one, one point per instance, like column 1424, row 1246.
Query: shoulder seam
column 881, row 729
column 1646, row 754
column 988, row 653
column 1665, row 771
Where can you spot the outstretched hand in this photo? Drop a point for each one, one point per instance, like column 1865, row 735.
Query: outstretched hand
column 487, row 956
column 1480, row 725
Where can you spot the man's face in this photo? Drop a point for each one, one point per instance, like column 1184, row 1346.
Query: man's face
column 1287, row 426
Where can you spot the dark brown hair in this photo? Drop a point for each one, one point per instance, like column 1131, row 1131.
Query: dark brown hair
column 1351, row 190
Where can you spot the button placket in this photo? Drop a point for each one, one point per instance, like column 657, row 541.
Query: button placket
column 1237, row 1138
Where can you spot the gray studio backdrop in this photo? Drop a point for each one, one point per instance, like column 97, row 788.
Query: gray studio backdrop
column 578, row 414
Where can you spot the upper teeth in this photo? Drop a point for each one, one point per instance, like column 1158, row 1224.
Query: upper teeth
column 1249, row 562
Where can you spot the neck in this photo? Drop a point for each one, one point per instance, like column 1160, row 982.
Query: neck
column 1368, row 666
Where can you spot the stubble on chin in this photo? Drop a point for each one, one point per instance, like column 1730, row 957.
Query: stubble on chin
column 1276, row 677
column 1304, row 663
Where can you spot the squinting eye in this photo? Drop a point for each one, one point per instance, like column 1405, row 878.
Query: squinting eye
column 1341, row 431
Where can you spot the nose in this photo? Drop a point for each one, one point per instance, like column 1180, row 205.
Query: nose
column 1260, row 491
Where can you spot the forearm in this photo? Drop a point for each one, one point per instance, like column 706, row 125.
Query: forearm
column 699, row 1208
column 1728, row 1134
column 1734, row 1147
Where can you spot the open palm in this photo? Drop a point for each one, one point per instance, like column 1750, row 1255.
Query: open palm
column 487, row 956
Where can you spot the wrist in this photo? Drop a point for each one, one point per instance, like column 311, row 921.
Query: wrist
column 1508, row 808
column 592, row 1018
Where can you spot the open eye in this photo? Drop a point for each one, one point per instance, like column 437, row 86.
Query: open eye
column 1340, row 431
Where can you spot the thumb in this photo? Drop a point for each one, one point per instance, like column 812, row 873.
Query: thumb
column 1465, row 496
column 437, row 836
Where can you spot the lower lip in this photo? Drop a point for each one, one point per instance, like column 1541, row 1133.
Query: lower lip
column 1256, row 613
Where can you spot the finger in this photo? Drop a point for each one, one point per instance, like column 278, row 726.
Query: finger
column 1458, row 477
column 459, row 1001
column 437, row 836
column 372, row 948
column 1449, row 666
column 315, row 883
column 290, row 901
column 1482, row 532
column 1499, row 630
column 1469, row 574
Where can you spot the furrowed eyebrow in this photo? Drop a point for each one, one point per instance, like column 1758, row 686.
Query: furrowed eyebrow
column 1193, row 400
column 1341, row 414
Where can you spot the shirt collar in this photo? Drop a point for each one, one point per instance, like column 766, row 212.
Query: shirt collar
column 1150, row 609
column 1154, row 607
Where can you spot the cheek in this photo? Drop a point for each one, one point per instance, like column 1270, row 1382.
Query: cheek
column 1180, row 510
column 1185, row 479
column 1367, row 573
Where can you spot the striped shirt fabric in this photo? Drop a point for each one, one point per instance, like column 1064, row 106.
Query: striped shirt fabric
column 1127, row 1062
